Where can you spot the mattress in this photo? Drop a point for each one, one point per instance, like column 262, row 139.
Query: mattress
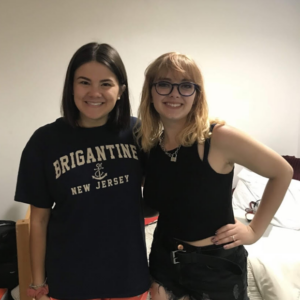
column 275, row 258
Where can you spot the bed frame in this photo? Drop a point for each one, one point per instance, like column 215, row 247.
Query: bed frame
column 24, row 266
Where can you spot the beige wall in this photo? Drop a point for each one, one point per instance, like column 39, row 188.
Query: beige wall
column 248, row 52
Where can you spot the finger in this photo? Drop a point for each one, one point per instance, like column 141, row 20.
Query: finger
column 225, row 240
column 226, row 234
column 231, row 245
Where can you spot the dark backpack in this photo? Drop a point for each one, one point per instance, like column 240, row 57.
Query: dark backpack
column 8, row 255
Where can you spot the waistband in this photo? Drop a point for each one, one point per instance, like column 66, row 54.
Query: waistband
column 174, row 244
column 213, row 256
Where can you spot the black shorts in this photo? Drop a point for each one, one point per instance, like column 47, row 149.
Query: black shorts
column 202, row 273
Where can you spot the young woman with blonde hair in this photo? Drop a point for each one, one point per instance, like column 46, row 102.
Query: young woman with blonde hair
column 197, row 251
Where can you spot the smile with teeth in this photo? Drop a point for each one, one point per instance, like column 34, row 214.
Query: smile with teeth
column 94, row 103
column 173, row 104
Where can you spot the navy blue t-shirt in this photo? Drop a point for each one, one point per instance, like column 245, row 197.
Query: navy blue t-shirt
column 91, row 178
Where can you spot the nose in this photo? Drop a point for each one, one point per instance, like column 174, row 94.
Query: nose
column 175, row 92
column 94, row 92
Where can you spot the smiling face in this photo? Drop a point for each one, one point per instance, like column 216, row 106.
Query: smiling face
column 96, row 91
column 173, row 107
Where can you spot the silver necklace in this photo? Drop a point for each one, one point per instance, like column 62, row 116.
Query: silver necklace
column 173, row 155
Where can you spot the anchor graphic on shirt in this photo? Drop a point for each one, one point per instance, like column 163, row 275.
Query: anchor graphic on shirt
column 98, row 174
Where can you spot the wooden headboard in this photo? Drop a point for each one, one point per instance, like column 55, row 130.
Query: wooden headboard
column 24, row 266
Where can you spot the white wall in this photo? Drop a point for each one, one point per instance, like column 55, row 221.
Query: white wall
column 248, row 52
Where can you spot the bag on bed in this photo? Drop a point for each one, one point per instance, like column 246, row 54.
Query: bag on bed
column 8, row 255
column 251, row 210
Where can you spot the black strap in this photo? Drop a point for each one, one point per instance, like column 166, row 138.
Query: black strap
column 214, row 262
column 207, row 143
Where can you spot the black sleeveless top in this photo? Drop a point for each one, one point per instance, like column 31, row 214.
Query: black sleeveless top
column 193, row 200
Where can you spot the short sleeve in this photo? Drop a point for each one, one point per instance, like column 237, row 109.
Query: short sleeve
column 143, row 156
column 32, row 187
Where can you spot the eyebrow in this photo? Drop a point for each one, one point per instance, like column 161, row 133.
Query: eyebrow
column 87, row 79
column 168, row 79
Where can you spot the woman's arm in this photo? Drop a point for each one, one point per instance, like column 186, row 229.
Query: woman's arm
column 237, row 147
column 39, row 219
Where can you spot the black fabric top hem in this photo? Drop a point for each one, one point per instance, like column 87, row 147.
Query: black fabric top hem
column 31, row 203
column 102, row 295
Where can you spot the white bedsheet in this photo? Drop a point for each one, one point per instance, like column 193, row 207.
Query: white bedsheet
column 275, row 258
column 253, row 185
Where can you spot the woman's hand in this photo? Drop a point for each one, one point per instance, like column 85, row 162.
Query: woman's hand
column 236, row 234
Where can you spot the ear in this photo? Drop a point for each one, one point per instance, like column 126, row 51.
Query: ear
column 122, row 89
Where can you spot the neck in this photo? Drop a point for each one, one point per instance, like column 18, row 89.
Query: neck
column 90, row 123
column 171, row 131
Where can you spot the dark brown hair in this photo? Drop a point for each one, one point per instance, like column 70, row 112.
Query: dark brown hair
column 119, row 117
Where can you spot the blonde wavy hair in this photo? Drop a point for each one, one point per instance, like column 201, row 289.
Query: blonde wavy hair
column 197, row 126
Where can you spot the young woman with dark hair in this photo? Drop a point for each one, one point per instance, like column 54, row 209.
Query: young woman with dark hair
column 82, row 177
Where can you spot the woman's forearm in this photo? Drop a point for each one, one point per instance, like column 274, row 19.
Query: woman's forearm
column 272, row 197
column 38, row 233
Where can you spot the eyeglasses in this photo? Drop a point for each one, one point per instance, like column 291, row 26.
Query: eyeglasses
column 185, row 89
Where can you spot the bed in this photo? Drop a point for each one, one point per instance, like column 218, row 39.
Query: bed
column 274, row 260
column 24, row 268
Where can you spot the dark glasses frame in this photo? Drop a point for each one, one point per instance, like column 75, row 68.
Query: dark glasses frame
column 197, row 87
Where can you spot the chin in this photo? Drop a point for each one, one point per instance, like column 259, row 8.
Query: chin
column 174, row 118
column 93, row 117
